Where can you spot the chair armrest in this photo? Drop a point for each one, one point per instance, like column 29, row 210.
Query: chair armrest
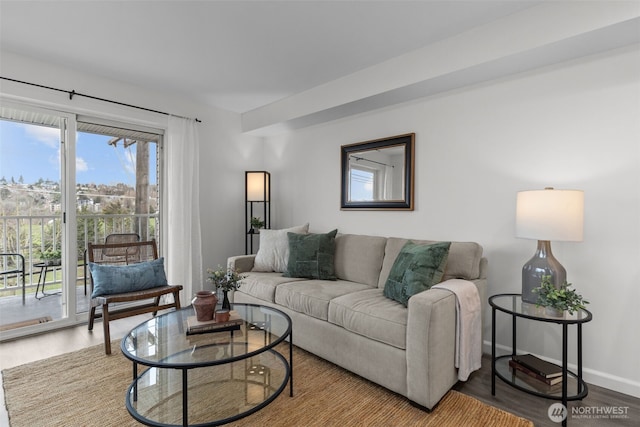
column 241, row 263
column 18, row 269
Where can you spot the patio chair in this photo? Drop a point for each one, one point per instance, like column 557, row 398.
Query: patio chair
column 128, row 279
column 127, row 254
column 15, row 267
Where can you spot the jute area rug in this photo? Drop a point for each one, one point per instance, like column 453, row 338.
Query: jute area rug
column 87, row 388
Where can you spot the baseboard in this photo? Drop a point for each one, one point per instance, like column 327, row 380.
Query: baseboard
column 591, row 376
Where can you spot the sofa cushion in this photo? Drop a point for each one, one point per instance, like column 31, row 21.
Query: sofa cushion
column 312, row 297
column 370, row 314
column 463, row 261
column 416, row 269
column 359, row 258
column 311, row 256
column 273, row 252
column 262, row 285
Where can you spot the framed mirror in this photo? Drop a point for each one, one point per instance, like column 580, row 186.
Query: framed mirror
column 378, row 174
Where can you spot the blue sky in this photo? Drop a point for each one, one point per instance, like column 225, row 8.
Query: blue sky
column 33, row 152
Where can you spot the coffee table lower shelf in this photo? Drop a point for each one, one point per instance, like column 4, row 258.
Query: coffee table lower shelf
column 207, row 396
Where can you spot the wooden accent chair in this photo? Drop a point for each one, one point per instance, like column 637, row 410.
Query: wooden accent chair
column 116, row 255
column 128, row 254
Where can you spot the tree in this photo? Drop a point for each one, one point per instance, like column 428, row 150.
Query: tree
column 142, row 184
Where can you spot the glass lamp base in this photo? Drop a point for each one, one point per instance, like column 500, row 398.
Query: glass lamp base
column 542, row 264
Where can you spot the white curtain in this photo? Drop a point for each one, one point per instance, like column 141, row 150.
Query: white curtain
column 388, row 183
column 181, row 239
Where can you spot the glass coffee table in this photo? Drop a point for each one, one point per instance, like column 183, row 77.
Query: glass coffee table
column 211, row 378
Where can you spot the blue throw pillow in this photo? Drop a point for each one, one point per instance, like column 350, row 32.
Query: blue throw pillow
column 116, row 279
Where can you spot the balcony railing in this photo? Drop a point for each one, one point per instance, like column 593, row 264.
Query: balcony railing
column 31, row 236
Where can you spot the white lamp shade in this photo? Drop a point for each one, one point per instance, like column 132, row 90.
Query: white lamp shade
column 256, row 190
column 550, row 215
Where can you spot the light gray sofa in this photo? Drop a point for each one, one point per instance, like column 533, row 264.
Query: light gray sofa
column 409, row 350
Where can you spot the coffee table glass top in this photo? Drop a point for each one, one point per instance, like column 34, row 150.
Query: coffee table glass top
column 207, row 379
column 163, row 342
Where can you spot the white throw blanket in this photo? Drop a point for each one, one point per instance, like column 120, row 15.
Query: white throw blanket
column 468, row 325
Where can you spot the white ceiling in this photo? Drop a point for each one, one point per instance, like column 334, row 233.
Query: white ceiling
column 236, row 55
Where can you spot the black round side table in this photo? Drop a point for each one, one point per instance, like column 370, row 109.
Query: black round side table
column 573, row 387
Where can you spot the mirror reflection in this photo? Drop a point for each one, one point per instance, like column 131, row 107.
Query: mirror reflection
column 376, row 174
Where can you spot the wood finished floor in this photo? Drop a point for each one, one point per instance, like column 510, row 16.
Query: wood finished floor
column 535, row 408
column 40, row 347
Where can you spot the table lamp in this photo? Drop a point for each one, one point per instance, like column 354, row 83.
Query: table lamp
column 546, row 215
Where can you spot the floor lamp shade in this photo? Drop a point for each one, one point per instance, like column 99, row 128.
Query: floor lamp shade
column 547, row 215
column 257, row 186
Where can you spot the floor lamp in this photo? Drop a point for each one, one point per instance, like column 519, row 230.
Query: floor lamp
column 546, row 215
column 257, row 192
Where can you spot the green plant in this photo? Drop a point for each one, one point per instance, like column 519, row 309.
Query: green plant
column 225, row 279
column 50, row 254
column 256, row 222
column 563, row 298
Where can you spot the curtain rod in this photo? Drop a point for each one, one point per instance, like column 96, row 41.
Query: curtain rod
column 73, row 93
column 372, row 161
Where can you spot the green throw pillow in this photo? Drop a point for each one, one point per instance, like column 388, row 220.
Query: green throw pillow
column 416, row 269
column 311, row 256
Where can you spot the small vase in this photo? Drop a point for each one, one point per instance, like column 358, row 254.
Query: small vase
column 226, row 305
column 204, row 304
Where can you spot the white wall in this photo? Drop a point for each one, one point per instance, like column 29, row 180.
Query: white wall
column 572, row 126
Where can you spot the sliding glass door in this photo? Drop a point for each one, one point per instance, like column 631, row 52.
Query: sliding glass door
column 34, row 241
column 66, row 180
column 116, row 188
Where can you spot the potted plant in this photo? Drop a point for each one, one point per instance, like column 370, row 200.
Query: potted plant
column 256, row 223
column 52, row 257
column 558, row 300
column 226, row 279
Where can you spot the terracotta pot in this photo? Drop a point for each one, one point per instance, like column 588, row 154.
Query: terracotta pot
column 222, row 315
column 204, row 304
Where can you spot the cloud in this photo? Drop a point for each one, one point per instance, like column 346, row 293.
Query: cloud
column 48, row 136
column 81, row 165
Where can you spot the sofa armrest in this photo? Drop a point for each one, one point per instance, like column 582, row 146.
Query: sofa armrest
column 241, row 263
column 431, row 331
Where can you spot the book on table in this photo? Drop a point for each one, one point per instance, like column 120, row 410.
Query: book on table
column 195, row 326
column 528, row 372
column 541, row 367
column 535, row 383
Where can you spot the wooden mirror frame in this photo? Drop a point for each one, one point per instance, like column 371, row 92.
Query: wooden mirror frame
column 406, row 203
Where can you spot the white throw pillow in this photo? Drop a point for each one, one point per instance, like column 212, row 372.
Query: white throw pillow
column 273, row 253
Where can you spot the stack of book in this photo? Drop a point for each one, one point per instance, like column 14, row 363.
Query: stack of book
column 194, row 326
column 528, row 366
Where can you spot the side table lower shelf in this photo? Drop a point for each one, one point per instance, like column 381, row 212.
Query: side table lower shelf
column 576, row 388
